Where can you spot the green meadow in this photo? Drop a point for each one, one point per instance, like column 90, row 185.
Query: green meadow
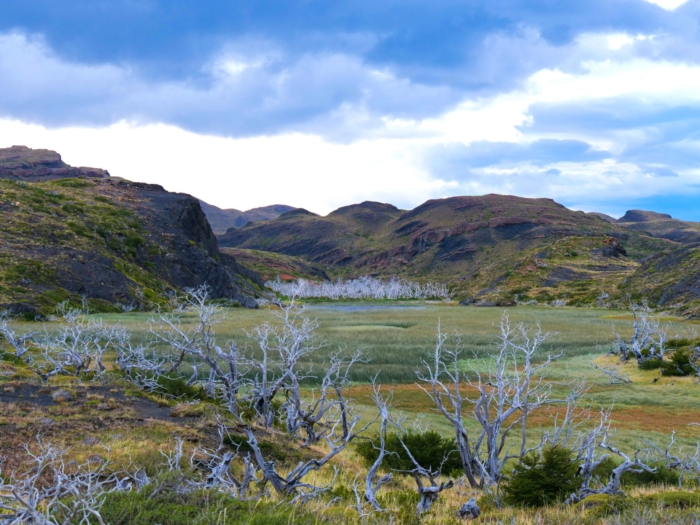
column 395, row 338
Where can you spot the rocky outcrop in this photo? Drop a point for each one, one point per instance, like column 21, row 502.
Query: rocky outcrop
column 34, row 165
column 661, row 225
column 107, row 239
column 643, row 216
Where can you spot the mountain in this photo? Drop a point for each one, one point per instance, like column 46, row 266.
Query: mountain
column 69, row 232
column 221, row 220
column 485, row 247
column 661, row 225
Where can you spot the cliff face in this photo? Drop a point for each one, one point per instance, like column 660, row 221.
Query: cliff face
column 110, row 240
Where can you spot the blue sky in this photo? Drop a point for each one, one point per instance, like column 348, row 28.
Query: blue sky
column 595, row 103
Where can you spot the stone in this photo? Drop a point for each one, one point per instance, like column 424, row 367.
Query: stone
column 62, row 396
column 469, row 511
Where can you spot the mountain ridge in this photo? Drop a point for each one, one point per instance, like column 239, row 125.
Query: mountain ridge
column 483, row 246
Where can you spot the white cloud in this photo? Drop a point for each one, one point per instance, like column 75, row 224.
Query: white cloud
column 301, row 170
column 304, row 169
column 669, row 5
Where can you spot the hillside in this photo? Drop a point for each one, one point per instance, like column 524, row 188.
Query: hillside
column 669, row 279
column 661, row 225
column 223, row 219
column 477, row 244
column 71, row 232
column 270, row 265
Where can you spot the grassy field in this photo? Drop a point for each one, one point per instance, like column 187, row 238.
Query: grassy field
column 394, row 337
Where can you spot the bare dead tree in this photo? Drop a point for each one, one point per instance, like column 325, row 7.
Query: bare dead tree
column 20, row 344
column 428, row 492
column 648, row 339
column 293, row 484
column 276, row 368
column 678, row 458
column 506, row 395
column 76, row 348
column 200, row 344
column 615, row 374
column 140, row 362
column 327, row 405
column 75, row 494
column 373, row 482
column 588, row 454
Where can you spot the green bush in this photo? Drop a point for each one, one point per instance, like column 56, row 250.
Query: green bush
column 430, row 450
column 651, row 364
column 196, row 508
column 543, row 480
column 680, row 364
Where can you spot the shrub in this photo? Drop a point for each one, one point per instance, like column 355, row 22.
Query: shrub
column 680, row 364
column 430, row 450
column 651, row 364
column 147, row 507
column 543, row 480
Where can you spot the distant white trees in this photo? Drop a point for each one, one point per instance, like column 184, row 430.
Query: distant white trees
column 361, row 288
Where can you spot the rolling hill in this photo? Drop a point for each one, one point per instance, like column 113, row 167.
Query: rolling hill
column 485, row 247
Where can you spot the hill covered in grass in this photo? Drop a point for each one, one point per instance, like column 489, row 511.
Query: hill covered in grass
column 68, row 233
column 270, row 265
column 669, row 279
column 490, row 248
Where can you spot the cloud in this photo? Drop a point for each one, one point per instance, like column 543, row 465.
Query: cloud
column 584, row 102
column 242, row 173
column 669, row 5
column 450, row 159
column 262, row 93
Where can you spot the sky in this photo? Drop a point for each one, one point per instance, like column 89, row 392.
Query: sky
column 321, row 104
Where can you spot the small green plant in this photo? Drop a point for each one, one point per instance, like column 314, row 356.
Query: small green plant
column 543, row 479
column 430, row 449
column 680, row 364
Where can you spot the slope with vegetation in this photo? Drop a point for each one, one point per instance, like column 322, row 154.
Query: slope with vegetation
column 67, row 233
column 270, row 265
column 101, row 429
column 669, row 279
